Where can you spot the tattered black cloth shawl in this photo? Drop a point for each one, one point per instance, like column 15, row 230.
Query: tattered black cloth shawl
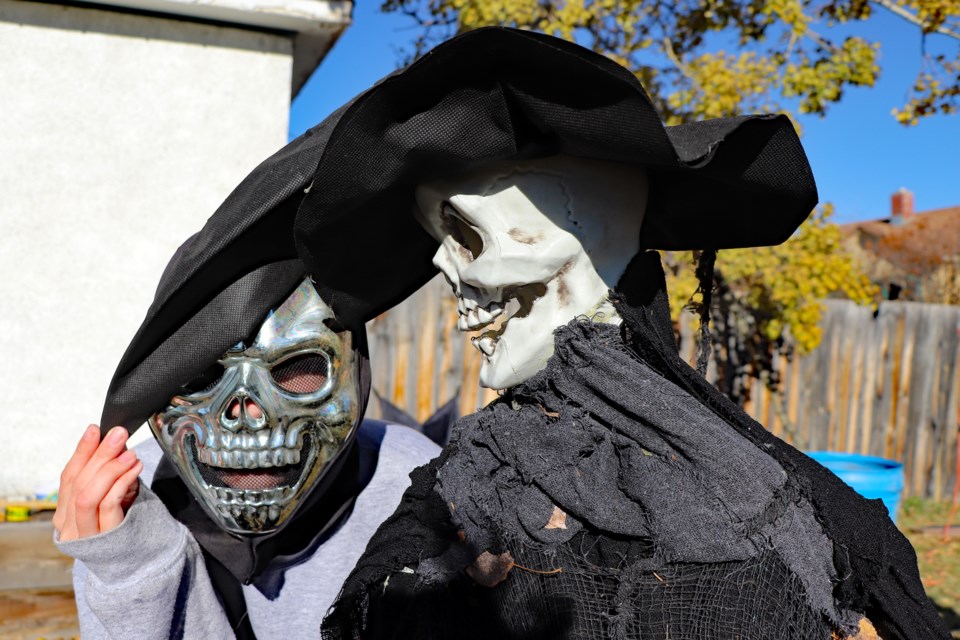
column 596, row 501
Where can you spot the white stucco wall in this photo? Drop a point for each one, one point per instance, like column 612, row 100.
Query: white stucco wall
column 119, row 135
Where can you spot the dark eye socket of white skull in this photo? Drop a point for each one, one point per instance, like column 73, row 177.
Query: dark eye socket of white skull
column 464, row 234
column 206, row 380
column 305, row 373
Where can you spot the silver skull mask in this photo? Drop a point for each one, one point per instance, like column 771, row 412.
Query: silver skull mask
column 253, row 442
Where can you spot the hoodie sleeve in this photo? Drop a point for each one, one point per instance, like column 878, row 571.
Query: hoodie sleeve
column 144, row 580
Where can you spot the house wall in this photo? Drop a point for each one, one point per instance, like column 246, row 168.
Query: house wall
column 119, row 135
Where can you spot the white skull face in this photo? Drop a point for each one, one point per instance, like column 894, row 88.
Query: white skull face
column 513, row 248
column 253, row 437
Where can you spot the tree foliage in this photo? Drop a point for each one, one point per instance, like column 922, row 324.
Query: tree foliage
column 707, row 58
column 768, row 300
column 782, row 286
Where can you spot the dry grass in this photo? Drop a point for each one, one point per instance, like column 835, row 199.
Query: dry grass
column 938, row 556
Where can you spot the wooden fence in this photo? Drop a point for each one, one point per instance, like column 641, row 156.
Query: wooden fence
column 887, row 385
column 420, row 361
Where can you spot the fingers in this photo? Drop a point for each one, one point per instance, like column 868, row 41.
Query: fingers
column 108, row 449
column 88, row 477
column 95, row 490
column 121, row 495
column 85, row 448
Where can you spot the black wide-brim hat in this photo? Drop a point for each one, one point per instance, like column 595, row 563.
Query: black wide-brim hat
column 339, row 199
column 498, row 93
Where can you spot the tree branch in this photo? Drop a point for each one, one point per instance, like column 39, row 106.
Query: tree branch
column 820, row 40
column 889, row 5
column 675, row 59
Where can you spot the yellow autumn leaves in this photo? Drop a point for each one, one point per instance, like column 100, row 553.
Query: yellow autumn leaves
column 712, row 58
column 784, row 284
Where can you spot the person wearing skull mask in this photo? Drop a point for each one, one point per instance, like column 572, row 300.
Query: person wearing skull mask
column 261, row 487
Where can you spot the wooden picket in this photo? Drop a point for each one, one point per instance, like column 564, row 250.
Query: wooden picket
column 419, row 360
column 885, row 385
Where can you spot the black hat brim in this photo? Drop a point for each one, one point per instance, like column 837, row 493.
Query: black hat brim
column 497, row 93
column 484, row 96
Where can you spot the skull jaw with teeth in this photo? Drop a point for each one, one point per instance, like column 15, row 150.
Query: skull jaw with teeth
column 528, row 246
column 244, row 487
column 251, row 447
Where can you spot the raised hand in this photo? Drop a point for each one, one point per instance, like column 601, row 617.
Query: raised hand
column 97, row 486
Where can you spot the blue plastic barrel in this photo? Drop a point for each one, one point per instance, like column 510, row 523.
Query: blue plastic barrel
column 869, row 476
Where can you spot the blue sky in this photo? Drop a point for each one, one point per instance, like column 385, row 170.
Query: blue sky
column 859, row 154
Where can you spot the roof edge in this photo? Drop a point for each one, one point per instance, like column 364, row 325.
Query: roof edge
column 297, row 16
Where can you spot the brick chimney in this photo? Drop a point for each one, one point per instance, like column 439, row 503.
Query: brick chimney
column 901, row 206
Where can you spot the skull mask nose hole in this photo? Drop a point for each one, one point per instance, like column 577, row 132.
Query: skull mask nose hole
column 242, row 410
column 252, row 409
column 232, row 411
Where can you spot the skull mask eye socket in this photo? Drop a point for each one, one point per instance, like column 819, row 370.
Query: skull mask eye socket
column 464, row 234
column 306, row 373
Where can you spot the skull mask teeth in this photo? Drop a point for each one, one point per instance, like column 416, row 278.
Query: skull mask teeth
column 258, row 430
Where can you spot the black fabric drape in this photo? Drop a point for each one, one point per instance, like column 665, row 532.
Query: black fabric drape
column 681, row 516
column 878, row 565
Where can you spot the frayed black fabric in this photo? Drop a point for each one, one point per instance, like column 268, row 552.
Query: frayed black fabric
column 622, row 450
column 618, row 495
column 877, row 564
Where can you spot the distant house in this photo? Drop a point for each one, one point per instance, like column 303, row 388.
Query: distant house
column 910, row 255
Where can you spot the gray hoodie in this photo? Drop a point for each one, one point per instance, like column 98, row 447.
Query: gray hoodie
column 163, row 591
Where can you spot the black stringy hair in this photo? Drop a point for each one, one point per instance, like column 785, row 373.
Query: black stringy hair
column 705, row 270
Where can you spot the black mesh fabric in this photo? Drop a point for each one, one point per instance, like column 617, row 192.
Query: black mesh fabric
column 303, row 374
column 596, row 503
column 750, row 600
